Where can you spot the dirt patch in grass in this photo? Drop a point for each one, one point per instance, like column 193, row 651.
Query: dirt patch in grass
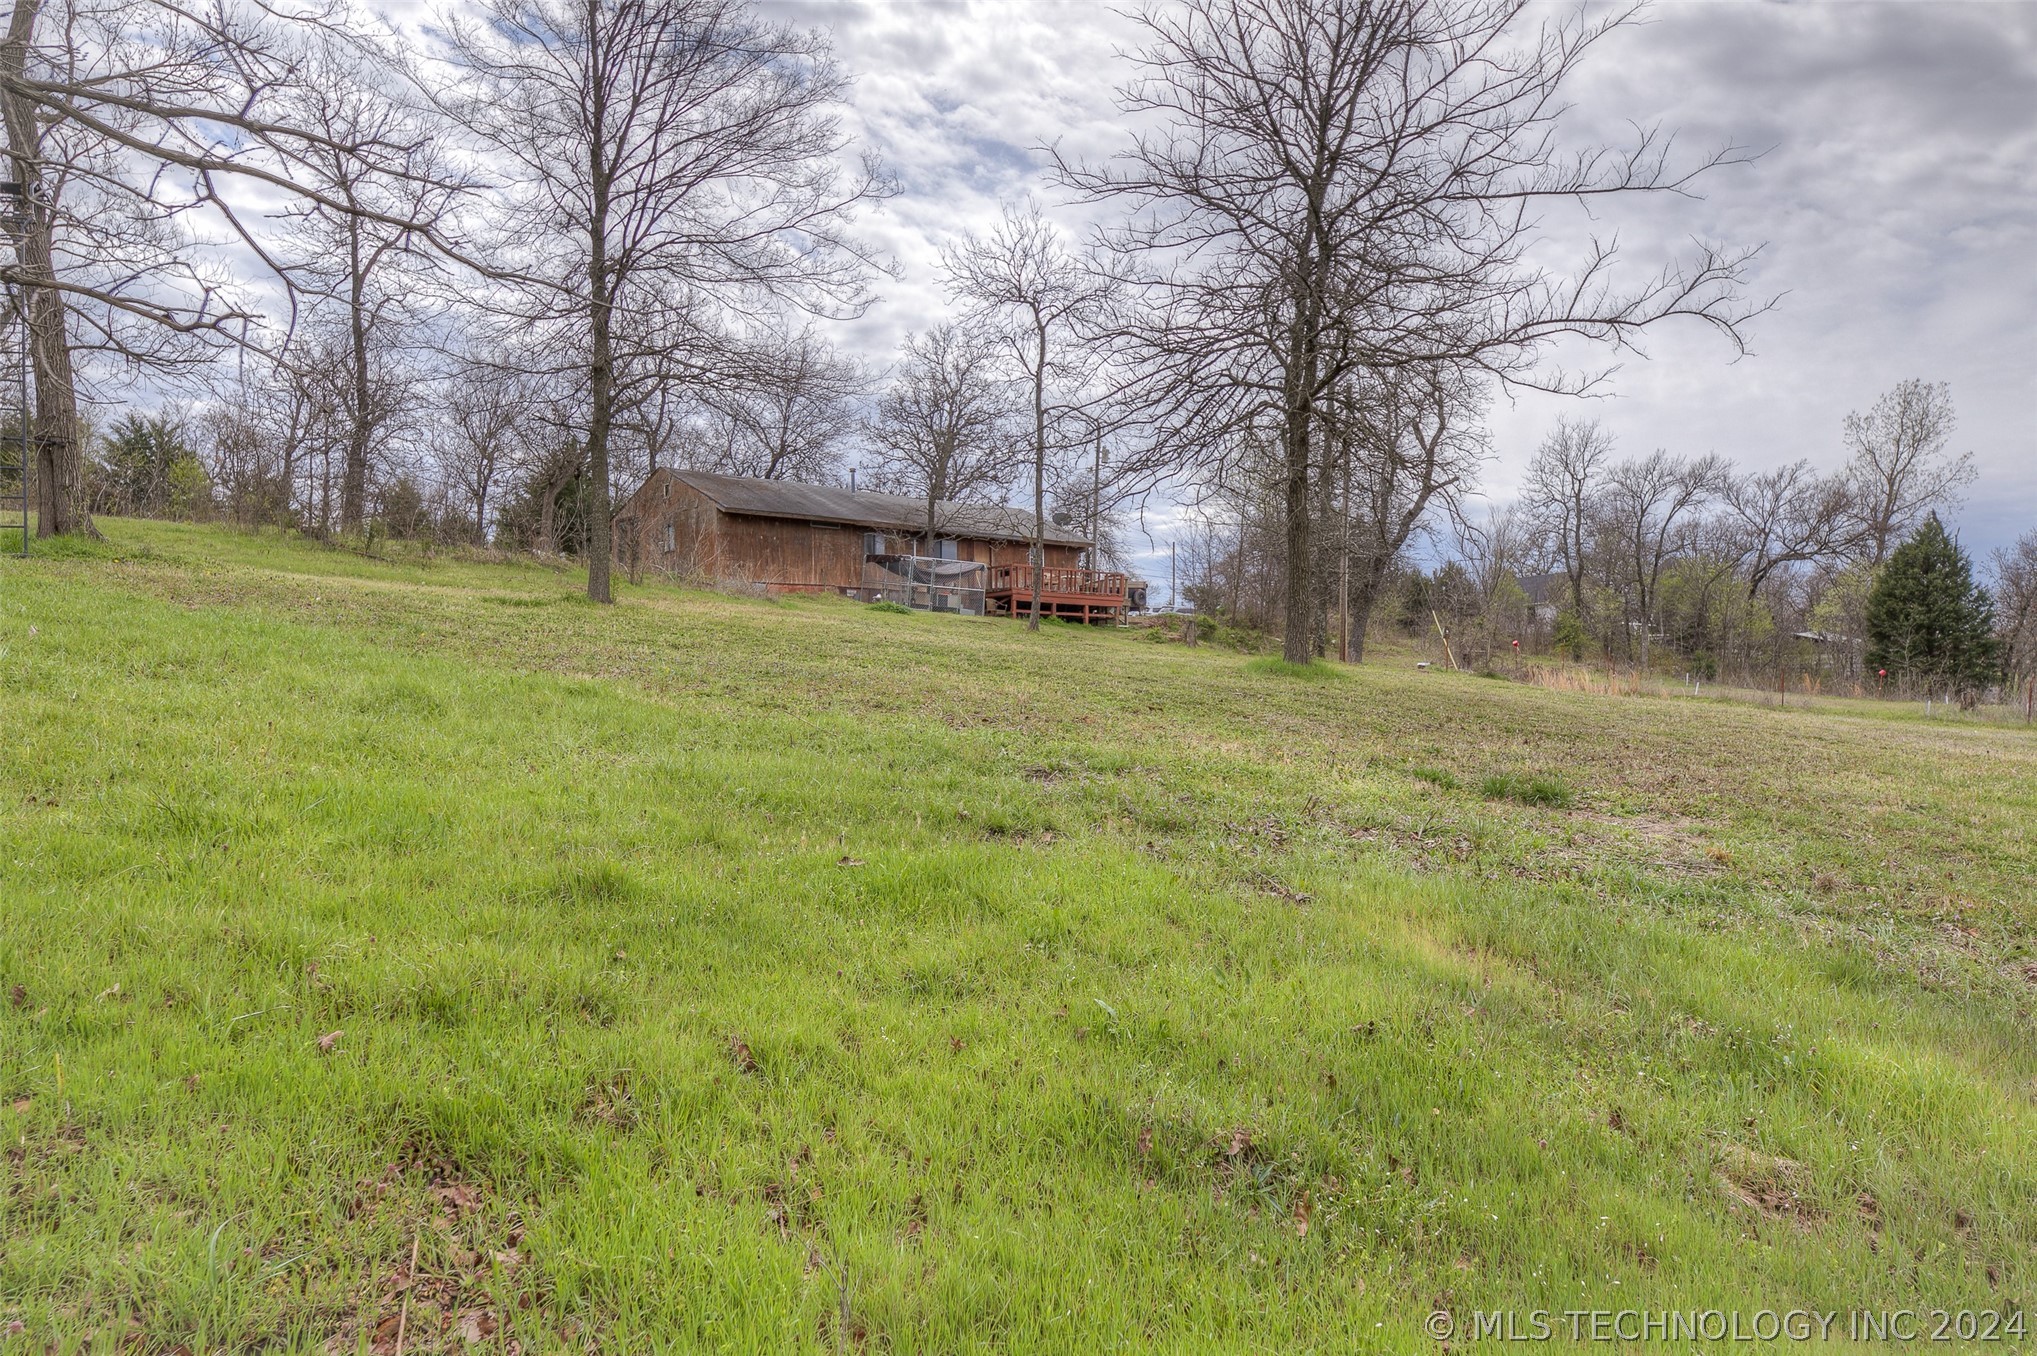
column 1659, row 842
column 1766, row 1187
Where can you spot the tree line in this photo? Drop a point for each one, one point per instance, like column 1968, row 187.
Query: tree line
column 475, row 282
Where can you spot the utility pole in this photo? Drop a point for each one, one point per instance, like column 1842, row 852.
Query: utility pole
column 1173, row 597
column 1096, row 502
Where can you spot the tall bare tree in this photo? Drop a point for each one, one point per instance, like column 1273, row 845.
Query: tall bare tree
column 1358, row 183
column 365, row 258
column 666, row 163
column 1901, row 471
column 490, row 410
column 1498, row 550
column 1041, row 295
column 1653, row 505
column 1566, row 482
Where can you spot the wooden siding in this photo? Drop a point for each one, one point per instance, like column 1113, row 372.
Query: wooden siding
column 776, row 553
column 782, row 554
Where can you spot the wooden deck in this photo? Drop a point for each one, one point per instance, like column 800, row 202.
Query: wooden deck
column 1067, row 592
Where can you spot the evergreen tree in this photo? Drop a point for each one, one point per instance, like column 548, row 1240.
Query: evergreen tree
column 145, row 467
column 1927, row 621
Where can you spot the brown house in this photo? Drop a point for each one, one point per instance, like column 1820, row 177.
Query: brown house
column 788, row 537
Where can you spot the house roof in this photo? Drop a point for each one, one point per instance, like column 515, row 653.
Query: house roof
column 751, row 497
column 1544, row 589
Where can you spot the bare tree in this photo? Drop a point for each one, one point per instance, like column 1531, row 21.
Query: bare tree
column 789, row 416
column 1498, row 549
column 1407, row 442
column 941, row 427
column 489, row 410
column 1653, row 503
column 668, row 162
column 1358, row 183
column 2016, row 603
column 1790, row 516
column 365, row 258
column 131, row 124
column 1900, row 470
column 1041, row 295
column 1565, row 482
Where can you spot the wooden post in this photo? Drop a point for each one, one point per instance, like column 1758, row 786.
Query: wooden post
column 1444, row 636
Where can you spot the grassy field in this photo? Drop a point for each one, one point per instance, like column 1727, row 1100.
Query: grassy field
column 415, row 945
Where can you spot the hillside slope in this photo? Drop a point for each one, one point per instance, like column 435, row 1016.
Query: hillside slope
column 712, row 972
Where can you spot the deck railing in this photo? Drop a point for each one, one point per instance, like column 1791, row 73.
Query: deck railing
column 1057, row 580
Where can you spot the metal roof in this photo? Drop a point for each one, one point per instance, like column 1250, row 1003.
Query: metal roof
column 865, row 508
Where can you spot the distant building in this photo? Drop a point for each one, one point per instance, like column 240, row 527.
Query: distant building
column 1546, row 594
column 788, row 537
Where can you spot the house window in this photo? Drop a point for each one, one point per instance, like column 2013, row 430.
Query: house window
column 947, row 549
column 665, row 490
column 873, row 544
column 671, row 538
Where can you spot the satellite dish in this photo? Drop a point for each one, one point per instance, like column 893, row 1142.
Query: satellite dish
column 1063, row 518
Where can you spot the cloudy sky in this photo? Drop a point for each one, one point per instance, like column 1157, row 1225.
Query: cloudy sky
column 1896, row 198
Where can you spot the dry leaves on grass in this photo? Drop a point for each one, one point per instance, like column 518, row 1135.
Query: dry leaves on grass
column 329, row 1041
column 439, row 1296
column 739, row 1052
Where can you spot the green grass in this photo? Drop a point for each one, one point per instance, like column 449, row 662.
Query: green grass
column 1528, row 790
column 712, row 973
column 1442, row 778
column 1272, row 666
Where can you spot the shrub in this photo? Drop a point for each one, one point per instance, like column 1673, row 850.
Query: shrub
column 887, row 606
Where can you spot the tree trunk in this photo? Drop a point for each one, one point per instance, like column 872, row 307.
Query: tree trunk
column 354, row 469
column 59, row 472
column 601, row 417
column 601, row 289
column 1039, row 470
column 1298, row 625
column 1365, row 586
